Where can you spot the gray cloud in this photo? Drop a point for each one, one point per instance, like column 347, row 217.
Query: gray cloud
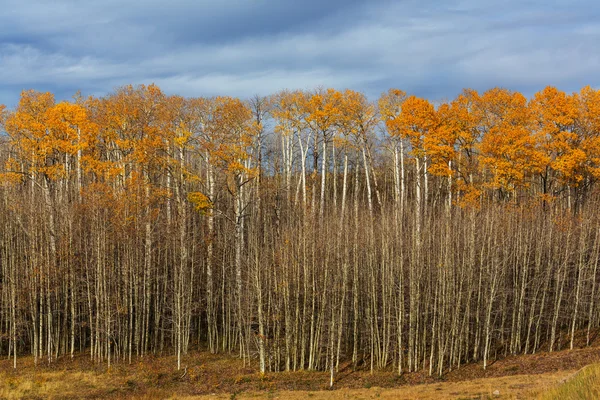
column 243, row 47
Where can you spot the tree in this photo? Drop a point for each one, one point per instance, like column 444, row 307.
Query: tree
column 140, row 223
column 322, row 113
column 508, row 149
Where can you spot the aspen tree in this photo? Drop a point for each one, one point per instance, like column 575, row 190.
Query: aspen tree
column 139, row 223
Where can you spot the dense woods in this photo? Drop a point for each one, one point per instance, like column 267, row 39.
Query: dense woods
column 301, row 230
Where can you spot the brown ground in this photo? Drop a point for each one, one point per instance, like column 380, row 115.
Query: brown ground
column 210, row 376
column 511, row 387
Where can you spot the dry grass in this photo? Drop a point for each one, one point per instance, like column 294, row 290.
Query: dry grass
column 53, row 385
column 583, row 385
column 225, row 377
column 91, row 385
column 513, row 387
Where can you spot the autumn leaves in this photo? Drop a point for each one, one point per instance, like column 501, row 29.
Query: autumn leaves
column 140, row 221
column 499, row 140
column 494, row 141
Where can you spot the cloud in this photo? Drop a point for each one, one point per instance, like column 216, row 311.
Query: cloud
column 243, row 47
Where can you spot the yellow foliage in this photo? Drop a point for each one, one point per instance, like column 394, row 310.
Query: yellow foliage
column 200, row 201
column 417, row 119
column 12, row 173
column 508, row 148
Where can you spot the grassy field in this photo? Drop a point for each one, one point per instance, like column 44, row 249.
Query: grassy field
column 511, row 387
column 545, row 376
column 91, row 385
column 584, row 385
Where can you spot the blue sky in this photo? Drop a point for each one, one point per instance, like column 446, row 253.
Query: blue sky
column 245, row 47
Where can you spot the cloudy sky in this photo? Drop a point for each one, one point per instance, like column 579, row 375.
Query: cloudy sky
column 243, row 47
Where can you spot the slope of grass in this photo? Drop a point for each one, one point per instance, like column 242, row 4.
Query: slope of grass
column 584, row 385
column 225, row 376
column 77, row 385
column 509, row 387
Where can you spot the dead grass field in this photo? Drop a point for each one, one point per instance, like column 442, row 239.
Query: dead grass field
column 511, row 387
column 225, row 377
column 584, row 385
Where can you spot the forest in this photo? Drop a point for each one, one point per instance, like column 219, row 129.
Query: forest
column 300, row 230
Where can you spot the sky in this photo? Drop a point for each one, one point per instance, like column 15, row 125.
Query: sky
column 432, row 48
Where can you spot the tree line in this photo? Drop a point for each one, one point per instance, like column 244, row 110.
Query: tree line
column 301, row 230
